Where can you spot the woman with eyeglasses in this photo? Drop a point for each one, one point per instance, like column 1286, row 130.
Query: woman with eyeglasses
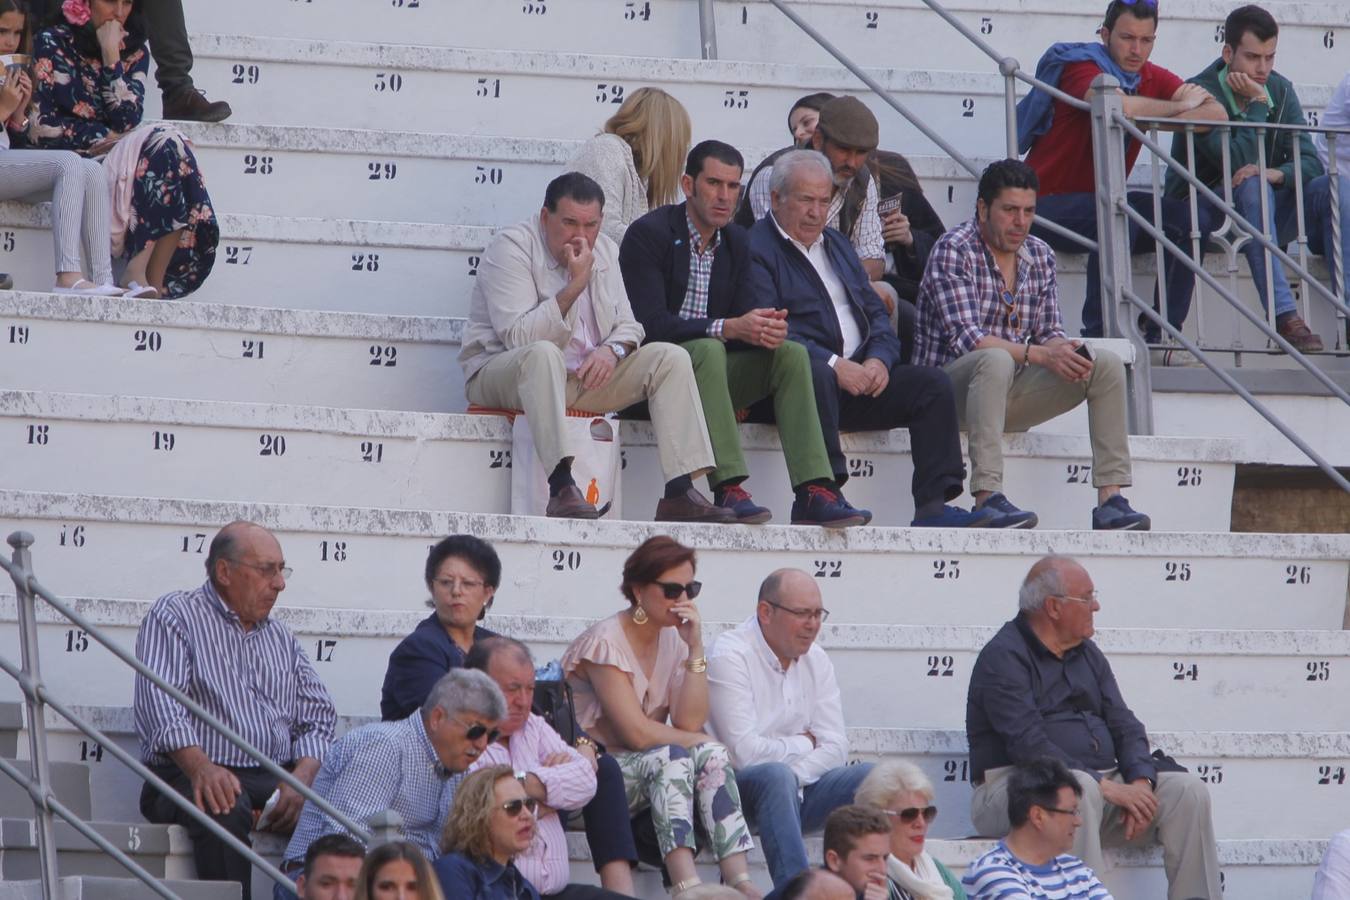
column 397, row 871
column 491, row 822
column 639, row 681
column 905, row 795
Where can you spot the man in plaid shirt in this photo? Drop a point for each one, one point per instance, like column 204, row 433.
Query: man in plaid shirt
column 989, row 316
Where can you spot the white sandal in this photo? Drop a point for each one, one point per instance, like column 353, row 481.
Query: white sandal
column 86, row 288
column 138, row 291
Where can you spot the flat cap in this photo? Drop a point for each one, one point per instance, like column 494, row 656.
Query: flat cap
column 845, row 120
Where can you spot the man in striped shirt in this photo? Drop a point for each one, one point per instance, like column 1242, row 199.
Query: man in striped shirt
column 1033, row 862
column 219, row 645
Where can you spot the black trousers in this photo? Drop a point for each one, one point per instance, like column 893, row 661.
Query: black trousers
column 167, row 30
column 215, row 861
column 607, row 823
column 918, row 398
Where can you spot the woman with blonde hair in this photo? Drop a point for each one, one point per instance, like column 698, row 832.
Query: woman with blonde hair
column 901, row 791
column 638, row 158
column 492, row 821
column 397, row 871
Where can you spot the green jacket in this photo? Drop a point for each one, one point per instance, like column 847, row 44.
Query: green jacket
column 1284, row 109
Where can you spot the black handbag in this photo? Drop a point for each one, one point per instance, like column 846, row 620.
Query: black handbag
column 553, row 701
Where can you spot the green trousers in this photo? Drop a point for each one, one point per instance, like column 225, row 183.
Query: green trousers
column 731, row 381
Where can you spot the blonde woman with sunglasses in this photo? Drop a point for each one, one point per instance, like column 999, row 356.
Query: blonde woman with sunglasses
column 493, row 821
column 901, row 791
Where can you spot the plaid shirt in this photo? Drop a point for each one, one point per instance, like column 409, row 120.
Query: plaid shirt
column 695, row 304
column 866, row 237
column 960, row 300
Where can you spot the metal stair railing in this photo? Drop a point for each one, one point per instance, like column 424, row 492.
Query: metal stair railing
column 37, row 697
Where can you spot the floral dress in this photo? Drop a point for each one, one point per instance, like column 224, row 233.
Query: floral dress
column 78, row 101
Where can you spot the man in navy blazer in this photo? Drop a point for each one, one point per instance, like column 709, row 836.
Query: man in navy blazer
column 685, row 268
column 812, row 272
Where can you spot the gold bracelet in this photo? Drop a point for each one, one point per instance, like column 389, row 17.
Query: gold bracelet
column 584, row 741
column 697, row 664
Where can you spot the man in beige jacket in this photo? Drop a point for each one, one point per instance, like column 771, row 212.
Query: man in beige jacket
column 550, row 328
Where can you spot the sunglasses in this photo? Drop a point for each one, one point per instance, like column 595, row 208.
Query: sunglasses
column 513, row 807
column 907, row 816
column 474, row 732
column 1153, row 4
column 672, row 590
column 1014, row 320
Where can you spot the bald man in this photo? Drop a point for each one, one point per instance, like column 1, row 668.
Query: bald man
column 1042, row 688
column 816, row 884
column 220, row 646
column 774, row 702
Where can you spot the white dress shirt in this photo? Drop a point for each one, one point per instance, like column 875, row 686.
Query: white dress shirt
column 1332, row 881
column 843, row 309
column 761, row 712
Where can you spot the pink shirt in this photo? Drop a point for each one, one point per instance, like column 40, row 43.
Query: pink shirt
column 570, row 786
column 585, row 332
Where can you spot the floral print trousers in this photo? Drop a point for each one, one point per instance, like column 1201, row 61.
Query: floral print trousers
column 674, row 781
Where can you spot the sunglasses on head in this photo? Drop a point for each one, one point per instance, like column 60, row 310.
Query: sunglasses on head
column 1153, row 4
column 513, row 807
column 907, row 816
column 673, row 589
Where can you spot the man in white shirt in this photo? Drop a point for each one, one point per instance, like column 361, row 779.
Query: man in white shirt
column 774, row 702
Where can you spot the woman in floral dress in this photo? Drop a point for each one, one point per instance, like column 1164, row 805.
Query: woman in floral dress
column 89, row 72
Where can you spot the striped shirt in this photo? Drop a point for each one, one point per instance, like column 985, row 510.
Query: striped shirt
column 695, row 304
column 999, row 875
column 570, row 786
column 384, row 765
column 866, row 238
column 258, row 682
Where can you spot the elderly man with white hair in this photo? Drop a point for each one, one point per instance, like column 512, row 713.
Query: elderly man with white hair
column 903, row 792
column 812, row 271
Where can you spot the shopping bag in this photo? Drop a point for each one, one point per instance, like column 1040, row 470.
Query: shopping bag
column 596, row 468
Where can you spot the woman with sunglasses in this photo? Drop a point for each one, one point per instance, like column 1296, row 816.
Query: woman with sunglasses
column 640, row 685
column 492, row 821
column 397, row 871
column 905, row 795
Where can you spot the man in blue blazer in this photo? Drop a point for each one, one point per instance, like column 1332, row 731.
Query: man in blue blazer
column 685, row 268
column 812, row 272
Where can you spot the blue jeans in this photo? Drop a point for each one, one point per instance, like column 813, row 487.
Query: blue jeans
column 1317, row 216
column 1280, row 210
column 1078, row 213
column 771, row 804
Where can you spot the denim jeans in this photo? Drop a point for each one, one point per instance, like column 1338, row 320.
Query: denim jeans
column 1280, row 210
column 1078, row 213
column 774, row 809
column 1317, row 215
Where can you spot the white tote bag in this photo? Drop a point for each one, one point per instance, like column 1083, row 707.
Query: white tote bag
column 597, row 467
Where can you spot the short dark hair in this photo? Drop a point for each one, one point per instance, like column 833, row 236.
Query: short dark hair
column 847, row 824
column 574, row 186
column 1037, row 783
column 332, row 845
column 801, row 883
column 1003, row 174
column 1140, row 9
column 654, row 556
column 1249, row 18
column 481, row 653
column 475, row 551
column 814, row 101
column 718, row 150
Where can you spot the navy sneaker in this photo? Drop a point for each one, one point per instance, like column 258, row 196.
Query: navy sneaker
column 819, row 505
column 955, row 517
column 1116, row 515
column 1009, row 516
column 737, row 499
column 865, row 513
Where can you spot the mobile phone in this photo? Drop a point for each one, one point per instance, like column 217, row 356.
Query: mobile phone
column 1085, row 351
column 889, row 205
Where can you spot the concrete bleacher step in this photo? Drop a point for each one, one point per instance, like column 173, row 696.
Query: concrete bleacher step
column 94, row 887
column 162, row 850
column 69, row 783
column 216, row 450
column 343, row 557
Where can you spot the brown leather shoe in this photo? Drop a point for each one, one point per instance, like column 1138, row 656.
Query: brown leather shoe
column 570, row 504
column 692, row 507
column 191, row 105
column 1293, row 329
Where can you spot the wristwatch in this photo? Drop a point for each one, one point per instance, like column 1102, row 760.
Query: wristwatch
column 620, row 350
column 521, row 775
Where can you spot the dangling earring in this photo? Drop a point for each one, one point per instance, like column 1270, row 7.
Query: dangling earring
column 640, row 616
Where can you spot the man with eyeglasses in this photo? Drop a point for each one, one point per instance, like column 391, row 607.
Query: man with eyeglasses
column 989, row 316
column 412, row 766
column 1033, row 861
column 1041, row 687
column 773, row 701
column 219, row 645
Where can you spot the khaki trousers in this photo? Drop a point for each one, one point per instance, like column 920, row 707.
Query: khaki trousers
column 1183, row 826
column 535, row 379
column 993, row 397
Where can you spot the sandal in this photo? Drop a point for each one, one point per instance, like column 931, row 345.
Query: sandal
column 85, row 287
column 138, row 291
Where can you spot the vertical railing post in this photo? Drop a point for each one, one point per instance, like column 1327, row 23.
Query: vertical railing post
column 22, row 558
column 1113, row 244
column 1008, row 68
column 384, row 827
column 707, row 29
column 1336, row 253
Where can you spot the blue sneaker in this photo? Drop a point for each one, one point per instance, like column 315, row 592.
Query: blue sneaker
column 1009, row 516
column 737, row 499
column 865, row 513
column 1116, row 515
column 955, row 517
column 819, row 505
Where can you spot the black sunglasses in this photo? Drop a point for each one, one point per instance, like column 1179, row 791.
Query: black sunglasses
column 673, row 589
column 907, row 816
column 513, row 807
column 474, row 732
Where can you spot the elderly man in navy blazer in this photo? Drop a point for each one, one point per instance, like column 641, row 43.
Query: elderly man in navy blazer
column 685, row 269
column 812, row 272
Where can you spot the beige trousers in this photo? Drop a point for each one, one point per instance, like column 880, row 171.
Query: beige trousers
column 1183, row 826
column 535, row 379
column 993, row 397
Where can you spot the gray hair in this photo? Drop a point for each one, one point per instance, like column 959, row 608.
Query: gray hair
column 1045, row 579
column 786, row 167
column 889, row 778
column 466, row 690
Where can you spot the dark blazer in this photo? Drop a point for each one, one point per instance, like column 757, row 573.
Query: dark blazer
column 417, row 663
column 654, row 259
column 781, row 277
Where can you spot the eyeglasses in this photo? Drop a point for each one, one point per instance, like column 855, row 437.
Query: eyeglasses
column 269, row 571
column 820, row 615
column 908, row 815
column 477, row 730
column 1014, row 320
column 673, row 589
column 450, row 584
column 1064, row 812
column 1093, row 597
column 513, row 807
